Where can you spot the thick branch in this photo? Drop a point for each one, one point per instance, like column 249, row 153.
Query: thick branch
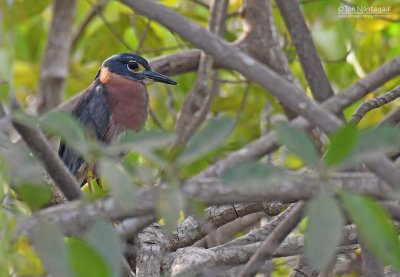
column 38, row 143
column 55, row 61
column 302, row 40
column 194, row 103
column 151, row 247
column 74, row 217
column 260, row 40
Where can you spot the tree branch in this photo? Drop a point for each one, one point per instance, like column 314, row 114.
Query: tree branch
column 268, row 247
column 374, row 104
column 303, row 43
column 151, row 247
column 75, row 216
column 235, row 59
column 268, row 143
column 40, row 146
column 260, row 40
column 195, row 101
column 55, row 60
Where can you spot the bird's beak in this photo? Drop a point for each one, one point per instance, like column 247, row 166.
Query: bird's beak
column 154, row 76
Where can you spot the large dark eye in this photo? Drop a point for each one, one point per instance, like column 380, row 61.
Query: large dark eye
column 133, row 66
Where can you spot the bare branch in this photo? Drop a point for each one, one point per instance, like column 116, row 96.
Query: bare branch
column 302, row 40
column 260, row 40
column 151, row 247
column 208, row 261
column 200, row 98
column 303, row 269
column 268, row 247
column 55, row 60
column 268, row 143
column 374, row 104
column 74, row 217
column 38, row 143
column 231, row 57
column 191, row 230
column 130, row 227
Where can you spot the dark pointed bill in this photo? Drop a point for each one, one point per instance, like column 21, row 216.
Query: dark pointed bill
column 154, row 76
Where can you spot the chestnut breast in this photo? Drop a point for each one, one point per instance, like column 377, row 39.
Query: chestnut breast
column 128, row 100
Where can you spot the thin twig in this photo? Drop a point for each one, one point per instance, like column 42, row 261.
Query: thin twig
column 156, row 120
column 109, row 26
column 143, row 36
column 89, row 17
column 374, row 104
column 242, row 103
column 55, row 62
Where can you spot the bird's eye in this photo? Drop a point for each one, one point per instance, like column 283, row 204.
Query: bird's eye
column 133, row 66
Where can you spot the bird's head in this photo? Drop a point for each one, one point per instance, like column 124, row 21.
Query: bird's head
column 133, row 67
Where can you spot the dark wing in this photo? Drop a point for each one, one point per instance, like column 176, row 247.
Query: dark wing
column 94, row 114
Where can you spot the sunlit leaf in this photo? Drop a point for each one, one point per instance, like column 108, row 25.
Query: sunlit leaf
column 28, row 263
column 254, row 175
column 103, row 238
column 207, row 139
column 299, row 142
column 341, row 144
column 36, row 196
column 324, row 230
column 375, row 226
column 51, row 248
column 84, row 260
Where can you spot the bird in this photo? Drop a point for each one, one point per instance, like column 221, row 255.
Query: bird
column 116, row 101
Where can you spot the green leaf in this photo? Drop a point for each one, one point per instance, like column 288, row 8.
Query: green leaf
column 298, row 142
column 67, row 127
column 214, row 134
column 253, row 175
column 21, row 166
column 375, row 226
column 36, row 196
column 144, row 143
column 145, row 140
column 373, row 142
column 341, row 144
column 85, row 261
column 169, row 206
column 120, row 183
column 324, row 230
column 50, row 246
column 25, row 119
column 103, row 238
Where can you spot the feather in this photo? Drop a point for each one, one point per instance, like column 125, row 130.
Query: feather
column 93, row 112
